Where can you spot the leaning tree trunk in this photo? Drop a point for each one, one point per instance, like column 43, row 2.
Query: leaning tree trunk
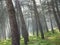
column 44, row 17
column 14, row 28
column 55, row 15
column 23, row 26
column 57, row 9
column 38, row 19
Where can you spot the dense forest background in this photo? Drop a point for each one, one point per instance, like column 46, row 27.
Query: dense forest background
column 26, row 22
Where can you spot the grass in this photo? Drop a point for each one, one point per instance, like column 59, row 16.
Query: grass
column 50, row 39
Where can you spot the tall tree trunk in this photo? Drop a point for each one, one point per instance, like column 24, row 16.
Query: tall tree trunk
column 44, row 17
column 51, row 24
column 57, row 9
column 33, row 20
column 14, row 28
column 3, row 21
column 46, row 23
column 38, row 19
column 55, row 15
column 50, row 17
column 23, row 27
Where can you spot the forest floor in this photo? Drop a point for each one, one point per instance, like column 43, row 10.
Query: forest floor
column 50, row 39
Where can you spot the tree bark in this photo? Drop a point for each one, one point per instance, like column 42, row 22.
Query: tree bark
column 14, row 28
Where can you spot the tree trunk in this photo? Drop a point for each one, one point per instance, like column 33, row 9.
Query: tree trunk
column 57, row 9
column 55, row 15
column 50, row 18
column 14, row 28
column 38, row 19
column 23, row 27
column 44, row 17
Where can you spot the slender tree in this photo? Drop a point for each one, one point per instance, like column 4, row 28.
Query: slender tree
column 44, row 16
column 55, row 15
column 56, row 2
column 38, row 19
column 50, row 17
column 2, row 20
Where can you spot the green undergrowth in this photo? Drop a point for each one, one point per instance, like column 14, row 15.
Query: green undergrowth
column 50, row 39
